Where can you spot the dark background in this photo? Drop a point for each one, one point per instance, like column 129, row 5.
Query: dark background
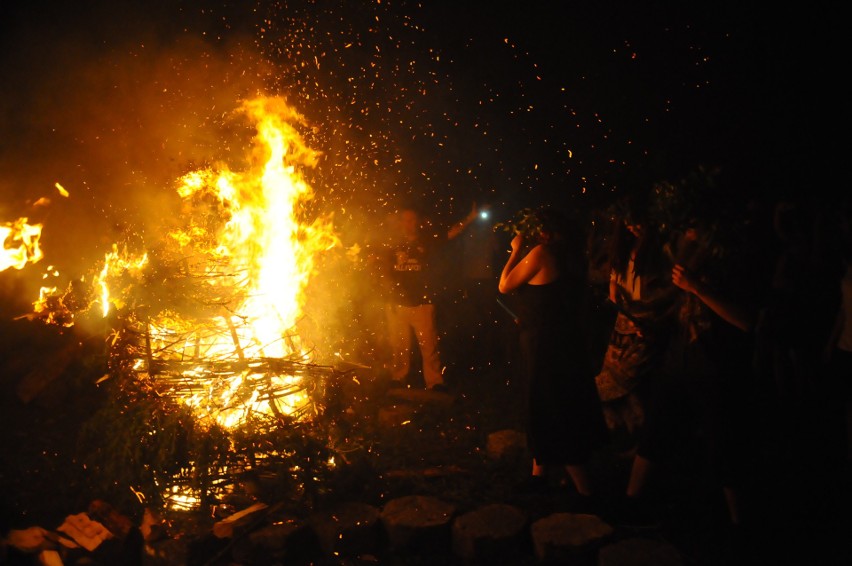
column 435, row 103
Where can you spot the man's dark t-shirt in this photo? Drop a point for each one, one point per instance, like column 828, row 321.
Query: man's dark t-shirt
column 412, row 275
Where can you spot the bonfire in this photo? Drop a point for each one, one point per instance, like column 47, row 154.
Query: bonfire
column 208, row 373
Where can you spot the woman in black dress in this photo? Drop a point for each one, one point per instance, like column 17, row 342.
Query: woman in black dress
column 546, row 274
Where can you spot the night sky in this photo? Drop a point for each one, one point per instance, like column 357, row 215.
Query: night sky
column 435, row 103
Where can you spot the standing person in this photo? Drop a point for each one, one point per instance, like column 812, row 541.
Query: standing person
column 640, row 288
column 548, row 276
column 705, row 390
column 629, row 381
column 411, row 292
column 789, row 321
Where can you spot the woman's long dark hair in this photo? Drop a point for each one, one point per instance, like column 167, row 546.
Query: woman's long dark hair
column 568, row 241
column 649, row 246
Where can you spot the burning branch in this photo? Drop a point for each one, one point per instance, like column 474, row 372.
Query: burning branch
column 203, row 326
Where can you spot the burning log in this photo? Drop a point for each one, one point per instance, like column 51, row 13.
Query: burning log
column 259, row 385
column 239, row 520
column 235, row 338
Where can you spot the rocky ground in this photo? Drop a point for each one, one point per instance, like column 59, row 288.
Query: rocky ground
column 442, row 445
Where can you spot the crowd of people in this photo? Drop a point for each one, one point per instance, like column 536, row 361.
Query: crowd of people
column 726, row 317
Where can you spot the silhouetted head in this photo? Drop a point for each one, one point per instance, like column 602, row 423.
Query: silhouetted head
column 552, row 225
column 409, row 223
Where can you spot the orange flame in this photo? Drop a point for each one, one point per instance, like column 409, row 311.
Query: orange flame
column 20, row 244
column 261, row 250
column 228, row 284
column 257, row 260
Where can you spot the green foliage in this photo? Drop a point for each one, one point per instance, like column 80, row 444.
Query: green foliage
column 696, row 205
column 526, row 222
column 697, row 198
column 143, row 442
column 296, row 454
column 138, row 441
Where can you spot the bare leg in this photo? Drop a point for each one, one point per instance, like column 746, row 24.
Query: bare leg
column 538, row 481
column 639, row 475
column 732, row 500
column 580, row 476
column 399, row 338
column 423, row 320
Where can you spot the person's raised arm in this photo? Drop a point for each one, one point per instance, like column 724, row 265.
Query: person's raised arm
column 613, row 287
column 459, row 227
column 519, row 270
column 731, row 312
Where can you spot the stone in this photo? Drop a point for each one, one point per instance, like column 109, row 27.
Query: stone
column 418, row 523
column 30, row 540
column 563, row 537
column 506, row 445
column 495, row 533
column 87, row 533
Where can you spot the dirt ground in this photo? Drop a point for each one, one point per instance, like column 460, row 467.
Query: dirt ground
column 799, row 494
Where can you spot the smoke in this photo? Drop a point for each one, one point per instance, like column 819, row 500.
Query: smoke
column 438, row 106
column 116, row 100
column 113, row 102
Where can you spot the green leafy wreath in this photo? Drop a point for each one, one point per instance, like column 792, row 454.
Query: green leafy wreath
column 526, row 222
